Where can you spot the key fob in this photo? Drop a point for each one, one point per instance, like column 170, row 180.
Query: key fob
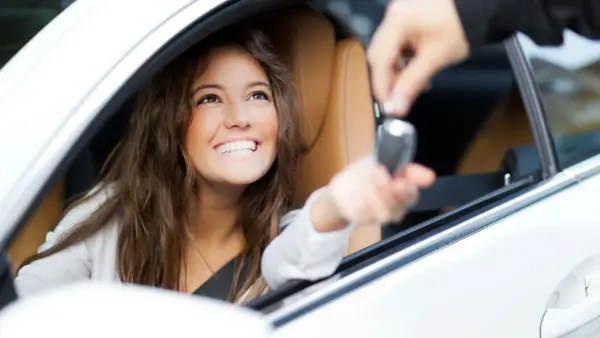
column 396, row 144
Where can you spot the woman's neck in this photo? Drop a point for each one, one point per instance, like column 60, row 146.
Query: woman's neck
column 215, row 217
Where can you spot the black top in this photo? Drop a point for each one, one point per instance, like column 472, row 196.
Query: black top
column 489, row 21
column 219, row 285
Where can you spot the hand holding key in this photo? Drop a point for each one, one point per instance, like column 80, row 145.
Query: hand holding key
column 369, row 192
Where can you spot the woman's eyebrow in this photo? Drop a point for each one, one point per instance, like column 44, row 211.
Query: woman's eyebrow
column 206, row 86
column 259, row 84
column 218, row 86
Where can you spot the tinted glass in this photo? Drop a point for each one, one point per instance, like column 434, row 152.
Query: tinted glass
column 568, row 79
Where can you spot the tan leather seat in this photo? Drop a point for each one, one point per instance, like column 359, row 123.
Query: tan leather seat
column 338, row 120
column 45, row 218
column 507, row 127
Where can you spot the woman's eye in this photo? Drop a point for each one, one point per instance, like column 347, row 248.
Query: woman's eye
column 259, row 96
column 209, row 99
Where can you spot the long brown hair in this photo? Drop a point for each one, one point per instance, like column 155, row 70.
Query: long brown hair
column 153, row 184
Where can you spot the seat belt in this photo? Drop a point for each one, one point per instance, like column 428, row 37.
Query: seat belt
column 219, row 285
column 456, row 190
column 452, row 191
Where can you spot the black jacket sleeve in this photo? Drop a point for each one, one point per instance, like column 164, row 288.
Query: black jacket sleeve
column 490, row 21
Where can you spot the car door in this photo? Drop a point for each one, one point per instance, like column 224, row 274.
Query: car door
column 528, row 267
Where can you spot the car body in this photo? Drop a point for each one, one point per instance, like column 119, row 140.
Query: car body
column 516, row 254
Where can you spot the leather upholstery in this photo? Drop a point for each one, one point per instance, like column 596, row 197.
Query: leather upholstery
column 332, row 80
column 507, row 127
column 305, row 41
column 44, row 219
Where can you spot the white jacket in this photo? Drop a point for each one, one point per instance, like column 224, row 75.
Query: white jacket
column 299, row 252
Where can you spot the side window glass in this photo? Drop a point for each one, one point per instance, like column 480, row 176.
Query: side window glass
column 568, row 79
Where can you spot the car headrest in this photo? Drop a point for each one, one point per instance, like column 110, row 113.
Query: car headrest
column 305, row 40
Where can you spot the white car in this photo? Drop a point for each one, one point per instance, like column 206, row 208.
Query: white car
column 505, row 244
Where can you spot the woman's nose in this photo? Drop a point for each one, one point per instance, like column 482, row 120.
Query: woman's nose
column 237, row 116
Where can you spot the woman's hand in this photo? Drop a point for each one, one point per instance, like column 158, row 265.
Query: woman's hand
column 364, row 193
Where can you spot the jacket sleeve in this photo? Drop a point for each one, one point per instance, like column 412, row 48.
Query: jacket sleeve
column 300, row 252
column 69, row 265
column 490, row 21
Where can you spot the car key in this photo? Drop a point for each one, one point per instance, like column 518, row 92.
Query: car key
column 396, row 144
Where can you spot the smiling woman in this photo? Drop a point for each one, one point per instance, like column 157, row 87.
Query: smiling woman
column 194, row 197
column 171, row 210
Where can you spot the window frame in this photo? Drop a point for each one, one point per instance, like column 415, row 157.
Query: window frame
column 533, row 106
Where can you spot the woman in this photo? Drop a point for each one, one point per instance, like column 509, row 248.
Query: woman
column 201, row 182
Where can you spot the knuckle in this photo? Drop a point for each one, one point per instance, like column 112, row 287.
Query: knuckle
column 393, row 8
column 386, row 215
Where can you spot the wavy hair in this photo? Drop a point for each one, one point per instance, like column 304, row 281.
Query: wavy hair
column 155, row 184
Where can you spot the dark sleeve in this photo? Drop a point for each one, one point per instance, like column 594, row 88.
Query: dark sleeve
column 489, row 21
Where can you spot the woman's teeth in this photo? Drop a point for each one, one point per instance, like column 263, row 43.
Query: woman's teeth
column 244, row 145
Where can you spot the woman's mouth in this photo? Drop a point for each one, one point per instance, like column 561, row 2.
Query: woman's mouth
column 237, row 146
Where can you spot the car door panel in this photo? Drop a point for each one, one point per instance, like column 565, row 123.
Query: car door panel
column 573, row 309
column 494, row 283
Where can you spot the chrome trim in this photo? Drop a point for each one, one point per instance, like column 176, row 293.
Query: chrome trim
column 585, row 169
column 534, row 107
column 553, row 185
column 507, row 179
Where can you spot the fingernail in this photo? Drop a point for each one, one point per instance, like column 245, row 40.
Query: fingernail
column 397, row 106
column 400, row 103
column 388, row 107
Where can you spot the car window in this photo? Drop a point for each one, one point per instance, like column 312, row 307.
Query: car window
column 473, row 131
column 568, row 80
column 21, row 20
column 471, row 124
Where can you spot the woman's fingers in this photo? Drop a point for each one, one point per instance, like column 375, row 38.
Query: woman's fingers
column 418, row 174
column 406, row 193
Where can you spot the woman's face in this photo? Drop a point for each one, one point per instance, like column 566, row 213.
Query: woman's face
column 232, row 138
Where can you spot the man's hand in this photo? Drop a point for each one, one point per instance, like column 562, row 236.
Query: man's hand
column 431, row 29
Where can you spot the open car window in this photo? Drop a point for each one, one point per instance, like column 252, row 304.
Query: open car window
column 472, row 130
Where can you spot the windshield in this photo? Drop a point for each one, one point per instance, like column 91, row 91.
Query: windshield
column 21, row 20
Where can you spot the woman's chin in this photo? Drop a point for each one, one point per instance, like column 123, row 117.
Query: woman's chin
column 243, row 177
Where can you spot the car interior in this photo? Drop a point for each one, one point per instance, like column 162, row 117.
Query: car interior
column 472, row 130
